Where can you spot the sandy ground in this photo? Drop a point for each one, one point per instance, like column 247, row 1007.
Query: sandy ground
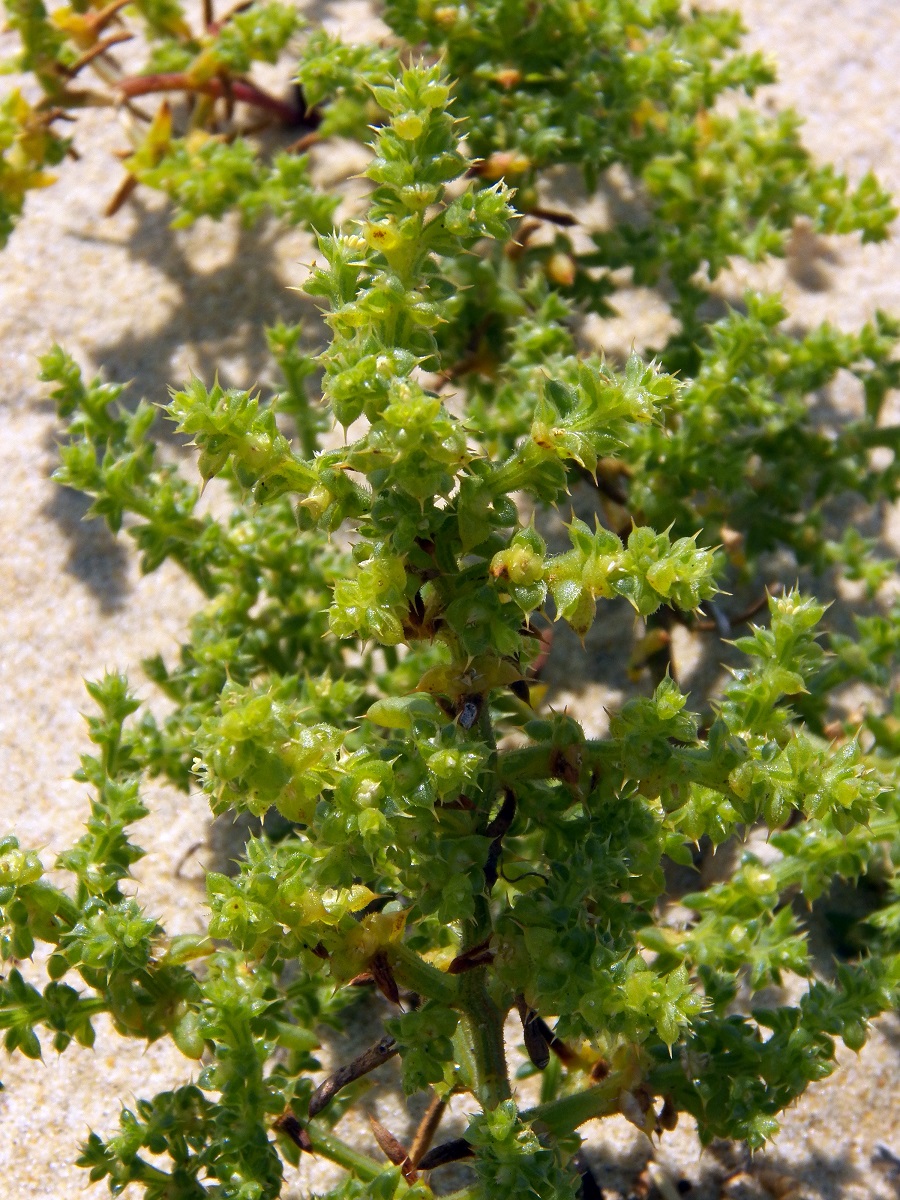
column 143, row 302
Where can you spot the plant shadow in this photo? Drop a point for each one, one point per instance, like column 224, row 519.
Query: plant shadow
column 227, row 286
column 641, row 1170
column 96, row 558
column 214, row 327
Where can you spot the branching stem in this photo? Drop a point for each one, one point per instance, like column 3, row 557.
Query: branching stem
column 245, row 92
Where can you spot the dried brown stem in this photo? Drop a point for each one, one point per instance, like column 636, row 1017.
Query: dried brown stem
column 303, row 143
column 99, row 20
column 427, row 1129
column 194, row 846
column 394, row 1149
column 122, row 192
column 564, row 219
column 374, row 1057
column 517, row 246
column 114, row 39
column 448, row 1152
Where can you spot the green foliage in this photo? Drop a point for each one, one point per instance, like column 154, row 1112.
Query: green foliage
column 27, row 146
column 207, row 166
column 425, row 1039
column 511, row 1160
column 341, row 73
column 743, row 451
column 634, row 86
column 205, row 177
column 255, row 35
column 364, row 659
column 258, row 747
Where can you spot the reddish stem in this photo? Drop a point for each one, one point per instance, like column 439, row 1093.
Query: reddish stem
column 99, row 20
column 114, row 39
column 178, row 81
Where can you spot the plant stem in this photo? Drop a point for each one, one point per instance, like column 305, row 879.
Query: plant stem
column 179, row 81
column 482, row 1024
column 562, row 1116
column 101, row 47
column 339, row 1152
column 413, row 972
column 480, row 1019
column 368, row 1061
column 427, row 1128
column 885, row 435
column 144, row 1172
